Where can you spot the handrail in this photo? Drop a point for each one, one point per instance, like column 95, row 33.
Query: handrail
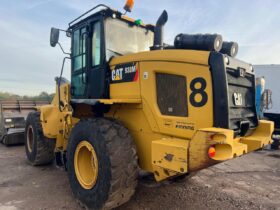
column 99, row 5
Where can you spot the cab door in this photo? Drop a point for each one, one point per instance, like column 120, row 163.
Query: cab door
column 79, row 62
column 98, row 69
column 89, row 66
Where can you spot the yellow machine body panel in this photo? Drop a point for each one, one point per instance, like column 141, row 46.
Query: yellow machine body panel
column 51, row 117
column 128, row 90
column 145, row 121
column 198, row 117
column 188, row 64
column 171, row 154
column 56, row 122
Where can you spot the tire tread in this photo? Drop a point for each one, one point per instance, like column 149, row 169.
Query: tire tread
column 45, row 146
column 124, row 161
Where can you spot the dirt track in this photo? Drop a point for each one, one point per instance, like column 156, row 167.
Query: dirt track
column 250, row 182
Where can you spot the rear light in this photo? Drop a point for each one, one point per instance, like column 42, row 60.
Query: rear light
column 211, row 152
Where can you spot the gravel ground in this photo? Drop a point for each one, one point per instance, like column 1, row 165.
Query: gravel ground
column 249, row 182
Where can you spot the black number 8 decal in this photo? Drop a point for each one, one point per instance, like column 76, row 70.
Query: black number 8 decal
column 200, row 91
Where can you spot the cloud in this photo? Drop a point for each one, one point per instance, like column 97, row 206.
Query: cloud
column 37, row 3
column 29, row 64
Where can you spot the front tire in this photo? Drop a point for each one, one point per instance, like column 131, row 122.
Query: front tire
column 39, row 149
column 102, row 163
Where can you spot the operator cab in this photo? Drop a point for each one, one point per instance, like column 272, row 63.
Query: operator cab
column 95, row 41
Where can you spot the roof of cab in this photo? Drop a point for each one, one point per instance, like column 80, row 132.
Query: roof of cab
column 107, row 12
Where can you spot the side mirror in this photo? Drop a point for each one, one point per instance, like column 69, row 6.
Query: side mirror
column 54, row 37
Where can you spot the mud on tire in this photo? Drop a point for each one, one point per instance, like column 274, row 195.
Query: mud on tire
column 39, row 149
column 117, row 163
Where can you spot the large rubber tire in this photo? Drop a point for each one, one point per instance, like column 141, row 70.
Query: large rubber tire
column 39, row 149
column 117, row 163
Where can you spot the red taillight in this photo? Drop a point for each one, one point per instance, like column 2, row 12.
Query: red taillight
column 212, row 152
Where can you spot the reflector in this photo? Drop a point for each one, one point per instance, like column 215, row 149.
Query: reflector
column 129, row 5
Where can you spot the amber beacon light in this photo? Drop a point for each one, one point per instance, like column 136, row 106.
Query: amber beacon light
column 129, row 5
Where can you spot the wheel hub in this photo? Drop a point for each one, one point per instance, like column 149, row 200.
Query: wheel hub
column 86, row 165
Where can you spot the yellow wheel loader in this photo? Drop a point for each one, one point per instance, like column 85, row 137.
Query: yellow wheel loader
column 136, row 103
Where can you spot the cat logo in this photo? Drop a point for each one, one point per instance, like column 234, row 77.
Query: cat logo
column 117, row 74
column 237, row 98
column 126, row 72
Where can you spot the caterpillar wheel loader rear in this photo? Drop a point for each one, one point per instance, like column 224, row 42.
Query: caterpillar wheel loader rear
column 136, row 103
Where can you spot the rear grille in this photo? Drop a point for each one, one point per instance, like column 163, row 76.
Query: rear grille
column 171, row 94
column 244, row 87
column 233, row 94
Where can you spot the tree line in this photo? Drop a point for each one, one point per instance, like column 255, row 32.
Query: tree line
column 42, row 96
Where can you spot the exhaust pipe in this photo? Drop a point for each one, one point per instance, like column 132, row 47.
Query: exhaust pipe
column 158, row 37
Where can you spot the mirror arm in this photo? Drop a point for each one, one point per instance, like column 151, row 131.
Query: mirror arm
column 63, row 49
column 59, row 82
column 67, row 32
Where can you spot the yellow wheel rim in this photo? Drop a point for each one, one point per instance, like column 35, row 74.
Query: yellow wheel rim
column 86, row 165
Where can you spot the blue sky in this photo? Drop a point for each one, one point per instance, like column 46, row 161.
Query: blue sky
column 29, row 64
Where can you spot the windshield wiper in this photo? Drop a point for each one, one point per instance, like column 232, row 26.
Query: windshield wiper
column 117, row 53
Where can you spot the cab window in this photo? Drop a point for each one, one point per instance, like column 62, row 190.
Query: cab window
column 79, row 49
column 123, row 38
column 96, row 44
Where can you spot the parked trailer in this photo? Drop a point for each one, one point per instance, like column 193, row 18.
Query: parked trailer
column 13, row 114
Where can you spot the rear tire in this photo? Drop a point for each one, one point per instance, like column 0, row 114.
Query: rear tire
column 275, row 144
column 4, row 140
column 39, row 149
column 114, row 163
